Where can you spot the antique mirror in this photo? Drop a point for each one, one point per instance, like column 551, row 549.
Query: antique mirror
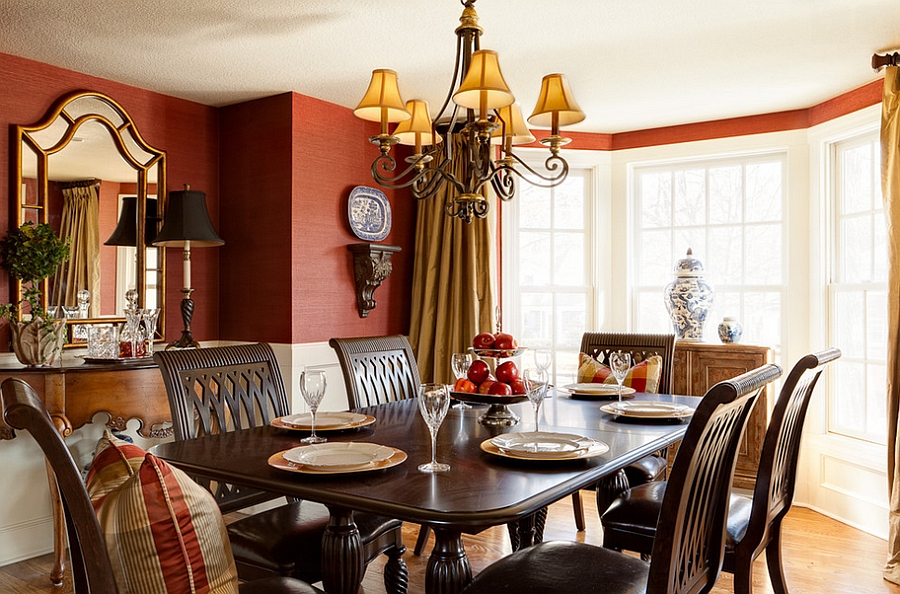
column 86, row 170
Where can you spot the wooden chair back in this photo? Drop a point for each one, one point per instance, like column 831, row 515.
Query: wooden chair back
column 91, row 570
column 690, row 536
column 220, row 389
column 641, row 346
column 777, row 475
column 377, row 369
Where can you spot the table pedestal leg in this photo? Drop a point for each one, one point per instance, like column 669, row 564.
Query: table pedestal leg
column 59, row 531
column 527, row 531
column 342, row 553
column 448, row 570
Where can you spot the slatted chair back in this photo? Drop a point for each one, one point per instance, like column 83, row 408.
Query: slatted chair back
column 777, row 475
column 641, row 346
column 220, row 389
column 377, row 369
column 91, row 569
column 690, row 536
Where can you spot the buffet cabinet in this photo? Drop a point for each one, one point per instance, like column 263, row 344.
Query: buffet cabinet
column 699, row 366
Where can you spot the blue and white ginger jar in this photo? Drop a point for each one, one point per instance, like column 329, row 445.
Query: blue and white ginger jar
column 730, row 330
column 688, row 299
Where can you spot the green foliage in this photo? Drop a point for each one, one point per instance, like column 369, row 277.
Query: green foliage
column 30, row 254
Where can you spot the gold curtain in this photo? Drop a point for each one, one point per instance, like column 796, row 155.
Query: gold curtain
column 890, row 184
column 80, row 222
column 452, row 291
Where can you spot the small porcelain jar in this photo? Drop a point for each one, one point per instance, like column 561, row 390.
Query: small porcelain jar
column 688, row 299
column 730, row 330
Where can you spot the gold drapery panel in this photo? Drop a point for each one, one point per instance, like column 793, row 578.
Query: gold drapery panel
column 80, row 222
column 890, row 185
column 452, row 290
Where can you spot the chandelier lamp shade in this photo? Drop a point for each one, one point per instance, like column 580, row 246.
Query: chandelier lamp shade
column 481, row 112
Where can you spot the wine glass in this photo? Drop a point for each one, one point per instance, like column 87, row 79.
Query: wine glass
column 536, row 389
column 434, row 400
column 460, row 363
column 620, row 363
column 543, row 358
column 312, row 386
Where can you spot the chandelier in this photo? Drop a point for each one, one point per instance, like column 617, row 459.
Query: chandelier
column 481, row 113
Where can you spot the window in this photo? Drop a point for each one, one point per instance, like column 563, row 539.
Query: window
column 729, row 212
column 857, row 291
column 547, row 280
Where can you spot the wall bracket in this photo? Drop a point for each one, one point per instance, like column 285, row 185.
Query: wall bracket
column 371, row 265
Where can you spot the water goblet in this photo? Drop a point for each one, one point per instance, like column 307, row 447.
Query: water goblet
column 460, row 363
column 312, row 386
column 620, row 363
column 434, row 401
column 536, row 388
column 543, row 358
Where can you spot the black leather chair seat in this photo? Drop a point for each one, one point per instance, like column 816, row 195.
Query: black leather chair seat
column 647, row 469
column 264, row 545
column 278, row 585
column 563, row 567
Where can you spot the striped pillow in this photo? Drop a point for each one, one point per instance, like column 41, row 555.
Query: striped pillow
column 115, row 460
column 164, row 532
column 643, row 377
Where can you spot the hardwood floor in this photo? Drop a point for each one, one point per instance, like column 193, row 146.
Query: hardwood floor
column 821, row 556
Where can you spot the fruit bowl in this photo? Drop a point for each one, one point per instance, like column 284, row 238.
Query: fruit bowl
column 497, row 414
column 475, row 398
column 498, row 353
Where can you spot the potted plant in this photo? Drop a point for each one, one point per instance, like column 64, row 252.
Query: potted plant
column 32, row 253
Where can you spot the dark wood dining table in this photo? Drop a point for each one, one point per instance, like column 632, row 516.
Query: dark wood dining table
column 479, row 491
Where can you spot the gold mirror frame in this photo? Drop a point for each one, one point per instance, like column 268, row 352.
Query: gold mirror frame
column 67, row 116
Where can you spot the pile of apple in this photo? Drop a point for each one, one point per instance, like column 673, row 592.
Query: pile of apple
column 480, row 380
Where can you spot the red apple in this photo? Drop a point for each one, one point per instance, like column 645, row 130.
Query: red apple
column 518, row 387
column 464, row 385
column 500, row 389
column 485, row 386
column 504, row 341
column 484, row 340
column 507, row 372
column 478, row 371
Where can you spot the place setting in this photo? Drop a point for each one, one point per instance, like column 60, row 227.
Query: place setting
column 317, row 455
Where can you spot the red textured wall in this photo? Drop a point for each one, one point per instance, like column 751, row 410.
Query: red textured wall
column 287, row 275
column 187, row 131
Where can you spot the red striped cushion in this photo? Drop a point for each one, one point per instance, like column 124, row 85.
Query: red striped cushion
column 643, row 377
column 115, row 460
column 165, row 533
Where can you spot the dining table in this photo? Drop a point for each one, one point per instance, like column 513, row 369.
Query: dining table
column 483, row 488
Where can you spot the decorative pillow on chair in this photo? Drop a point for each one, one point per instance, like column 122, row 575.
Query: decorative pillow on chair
column 643, row 377
column 164, row 532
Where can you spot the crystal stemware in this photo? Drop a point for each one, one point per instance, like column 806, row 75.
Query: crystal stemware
column 536, row 389
column 620, row 363
column 460, row 363
column 434, row 401
column 312, row 386
column 543, row 358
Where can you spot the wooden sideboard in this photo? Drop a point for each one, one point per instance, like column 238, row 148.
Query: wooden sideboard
column 699, row 366
column 74, row 392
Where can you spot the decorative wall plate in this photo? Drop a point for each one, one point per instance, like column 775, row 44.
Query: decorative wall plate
column 370, row 213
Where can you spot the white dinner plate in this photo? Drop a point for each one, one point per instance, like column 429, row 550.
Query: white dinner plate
column 648, row 409
column 596, row 389
column 596, row 448
column 326, row 421
column 338, row 455
column 541, row 443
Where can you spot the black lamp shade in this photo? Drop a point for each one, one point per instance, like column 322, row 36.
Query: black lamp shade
column 125, row 233
column 187, row 220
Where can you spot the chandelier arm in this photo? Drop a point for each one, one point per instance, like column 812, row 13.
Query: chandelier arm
column 504, row 183
column 430, row 181
column 388, row 163
column 557, row 167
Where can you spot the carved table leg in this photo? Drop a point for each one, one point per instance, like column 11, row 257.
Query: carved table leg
column 448, row 570
column 342, row 553
column 610, row 487
column 59, row 531
column 527, row 531
column 396, row 573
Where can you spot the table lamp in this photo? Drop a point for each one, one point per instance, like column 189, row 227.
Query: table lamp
column 186, row 225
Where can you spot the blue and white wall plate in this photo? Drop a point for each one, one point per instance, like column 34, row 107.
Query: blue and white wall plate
column 370, row 213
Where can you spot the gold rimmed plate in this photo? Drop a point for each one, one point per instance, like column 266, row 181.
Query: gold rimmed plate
column 597, row 391
column 596, row 448
column 325, row 421
column 278, row 461
column 648, row 410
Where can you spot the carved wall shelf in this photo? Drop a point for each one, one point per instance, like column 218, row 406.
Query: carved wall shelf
column 371, row 265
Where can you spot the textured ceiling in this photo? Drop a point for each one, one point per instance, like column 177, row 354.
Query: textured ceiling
column 632, row 64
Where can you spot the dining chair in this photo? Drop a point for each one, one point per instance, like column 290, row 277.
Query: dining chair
column 379, row 370
column 687, row 553
column 753, row 525
column 92, row 571
column 219, row 389
column 650, row 468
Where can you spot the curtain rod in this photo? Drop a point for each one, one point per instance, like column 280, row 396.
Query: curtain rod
column 880, row 61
